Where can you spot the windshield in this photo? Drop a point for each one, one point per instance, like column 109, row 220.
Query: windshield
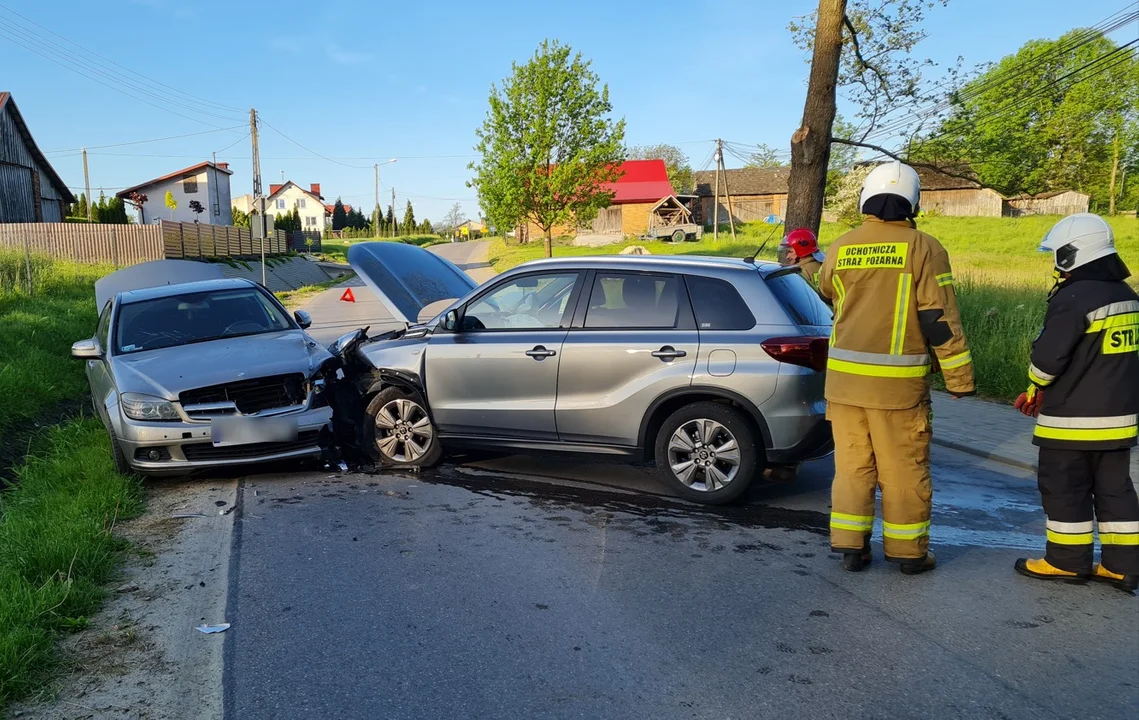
column 196, row 317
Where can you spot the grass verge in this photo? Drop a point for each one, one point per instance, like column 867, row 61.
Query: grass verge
column 58, row 549
column 293, row 299
column 1002, row 282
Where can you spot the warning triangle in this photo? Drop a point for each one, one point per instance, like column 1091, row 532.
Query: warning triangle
column 348, row 296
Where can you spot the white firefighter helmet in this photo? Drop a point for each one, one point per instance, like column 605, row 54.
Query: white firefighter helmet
column 1078, row 240
column 892, row 178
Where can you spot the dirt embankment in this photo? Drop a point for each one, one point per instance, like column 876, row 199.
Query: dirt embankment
column 141, row 657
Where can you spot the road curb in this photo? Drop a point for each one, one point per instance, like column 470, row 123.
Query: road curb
column 997, row 457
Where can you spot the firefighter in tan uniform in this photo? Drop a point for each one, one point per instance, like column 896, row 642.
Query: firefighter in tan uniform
column 801, row 247
column 892, row 290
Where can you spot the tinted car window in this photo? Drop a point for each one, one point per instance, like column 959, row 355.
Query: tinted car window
column 196, row 317
column 103, row 328
column 799, row 299
column 718, row 305
column 533, row 302
column 620, row 300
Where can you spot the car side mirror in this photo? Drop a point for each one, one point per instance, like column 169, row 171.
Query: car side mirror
column 87, row 349
column 303, row 319
column 450, row 321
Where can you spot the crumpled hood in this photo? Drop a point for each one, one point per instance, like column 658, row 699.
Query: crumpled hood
column 167, row 372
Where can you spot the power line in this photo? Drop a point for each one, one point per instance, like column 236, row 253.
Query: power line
column 307, row 149
column 227, row 147
column 121, row 67
column 143, row 142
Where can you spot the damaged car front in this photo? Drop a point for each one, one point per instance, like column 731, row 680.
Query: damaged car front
column 200, row 374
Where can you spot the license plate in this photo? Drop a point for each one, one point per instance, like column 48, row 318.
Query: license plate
column 226, row 431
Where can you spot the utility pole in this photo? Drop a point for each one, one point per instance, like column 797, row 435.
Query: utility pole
column 258, row 197
column 716, row 196
column 376, row 214
column 87, row 185
column 811, row 143
column 1114, row 170
column 394, row 223
column 727, row 190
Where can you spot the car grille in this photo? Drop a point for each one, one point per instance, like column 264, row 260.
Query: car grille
column 206, row 451
column 251, row 396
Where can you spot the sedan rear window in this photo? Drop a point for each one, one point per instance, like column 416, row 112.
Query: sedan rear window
column 800, row 300
column 196, row 317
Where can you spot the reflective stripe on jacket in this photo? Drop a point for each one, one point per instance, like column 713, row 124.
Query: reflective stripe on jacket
column 892, row 290
column 1087, row 359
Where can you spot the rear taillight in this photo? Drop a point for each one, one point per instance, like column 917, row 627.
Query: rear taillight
column 807, row 351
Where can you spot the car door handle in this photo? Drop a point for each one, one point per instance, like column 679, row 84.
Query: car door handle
column 541, row 353
column 669, row 353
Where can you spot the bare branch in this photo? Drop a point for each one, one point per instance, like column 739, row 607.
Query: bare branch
column 861, row 60
column 888, row 153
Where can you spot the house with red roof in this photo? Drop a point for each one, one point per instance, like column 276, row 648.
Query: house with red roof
column 642, row 185
column 205, row 185
column 309, row 204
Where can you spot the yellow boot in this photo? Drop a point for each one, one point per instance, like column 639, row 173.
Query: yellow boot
column 1041, row 569
column 1126, row 583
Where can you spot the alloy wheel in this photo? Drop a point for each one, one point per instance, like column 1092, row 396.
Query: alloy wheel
column 704, row 455
column 403, row 431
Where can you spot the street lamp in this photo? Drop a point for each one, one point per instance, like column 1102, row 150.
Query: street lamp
column 376, row 219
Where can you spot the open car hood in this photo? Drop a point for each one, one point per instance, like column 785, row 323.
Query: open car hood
column 407, row 278
column 152, row 274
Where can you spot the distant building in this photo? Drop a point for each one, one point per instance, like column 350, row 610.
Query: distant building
column 957, row 196
column 30, row 189
column 755, row 193
column 1058, row 202
column 205, row 182
column 309, row 204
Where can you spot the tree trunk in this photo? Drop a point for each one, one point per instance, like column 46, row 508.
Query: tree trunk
column 810, row 145
column 550, row 242
column 1114, row 170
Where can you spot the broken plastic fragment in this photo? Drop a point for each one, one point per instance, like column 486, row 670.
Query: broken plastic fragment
column 210, row 629
column 343, row 466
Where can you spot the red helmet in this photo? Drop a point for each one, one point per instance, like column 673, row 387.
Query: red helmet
column 802, row 241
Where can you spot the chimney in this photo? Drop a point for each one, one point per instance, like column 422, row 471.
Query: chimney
column 315, row 187
column 223, row 166
column 273, row 188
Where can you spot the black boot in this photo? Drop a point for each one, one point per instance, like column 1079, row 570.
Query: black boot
column 1127, row 583
column 856, row 561
column 919, row 565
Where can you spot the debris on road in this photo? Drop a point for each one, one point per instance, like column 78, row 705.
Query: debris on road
column 211, row 629
column 188, row 515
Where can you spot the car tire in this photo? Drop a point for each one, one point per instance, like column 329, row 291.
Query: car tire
column 398, row 431
column 707, row 452
column 118, row 457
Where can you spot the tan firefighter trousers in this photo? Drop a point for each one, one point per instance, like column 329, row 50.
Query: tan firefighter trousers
column 886, row 449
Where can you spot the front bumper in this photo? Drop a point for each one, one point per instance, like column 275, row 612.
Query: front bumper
column 157, row 448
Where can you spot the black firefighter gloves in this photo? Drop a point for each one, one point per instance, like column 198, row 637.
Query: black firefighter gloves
column 937, row 332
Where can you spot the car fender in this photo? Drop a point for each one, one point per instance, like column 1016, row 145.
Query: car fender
column 749, row 407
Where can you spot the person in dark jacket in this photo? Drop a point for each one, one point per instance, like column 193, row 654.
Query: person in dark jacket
column 1085, row 396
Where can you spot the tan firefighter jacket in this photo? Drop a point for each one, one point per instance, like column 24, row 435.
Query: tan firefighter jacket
column 892, row 291
column 810, row 267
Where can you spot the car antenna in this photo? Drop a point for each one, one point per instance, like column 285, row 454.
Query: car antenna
column 750, row 260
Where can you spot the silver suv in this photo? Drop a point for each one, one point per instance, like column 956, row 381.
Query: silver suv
column 712, row 367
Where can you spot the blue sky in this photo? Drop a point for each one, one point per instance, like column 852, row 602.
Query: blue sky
column 361, row 82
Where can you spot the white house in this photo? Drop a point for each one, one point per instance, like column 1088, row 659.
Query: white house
column 205, row 182
column 244, row 203
column 309, row 204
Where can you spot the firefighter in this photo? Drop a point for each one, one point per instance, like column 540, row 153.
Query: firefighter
column 894, row 304
column 801, row 247
column 1084, row 393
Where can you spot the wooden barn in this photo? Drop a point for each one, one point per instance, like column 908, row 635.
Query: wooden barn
column 1059, row 202
column 30, row 190
column 754, row 194
column 948, row 195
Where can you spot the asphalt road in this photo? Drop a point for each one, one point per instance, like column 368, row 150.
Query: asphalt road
column 524, row 589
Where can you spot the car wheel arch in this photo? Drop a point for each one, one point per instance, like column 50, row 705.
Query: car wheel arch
column 668, row 403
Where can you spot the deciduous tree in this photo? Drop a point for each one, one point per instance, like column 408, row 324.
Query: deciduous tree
column 170, row 202
column 240, row 218
column 548, row 144
column 453, row 219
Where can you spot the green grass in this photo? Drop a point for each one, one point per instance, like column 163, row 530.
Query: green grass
column 1002, row 282
column 36, row 333
column 57, row 549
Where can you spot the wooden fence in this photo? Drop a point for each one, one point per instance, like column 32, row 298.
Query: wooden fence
column 119, row 245
column 122, row 245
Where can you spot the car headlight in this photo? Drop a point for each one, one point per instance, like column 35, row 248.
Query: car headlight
column 147, row 407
